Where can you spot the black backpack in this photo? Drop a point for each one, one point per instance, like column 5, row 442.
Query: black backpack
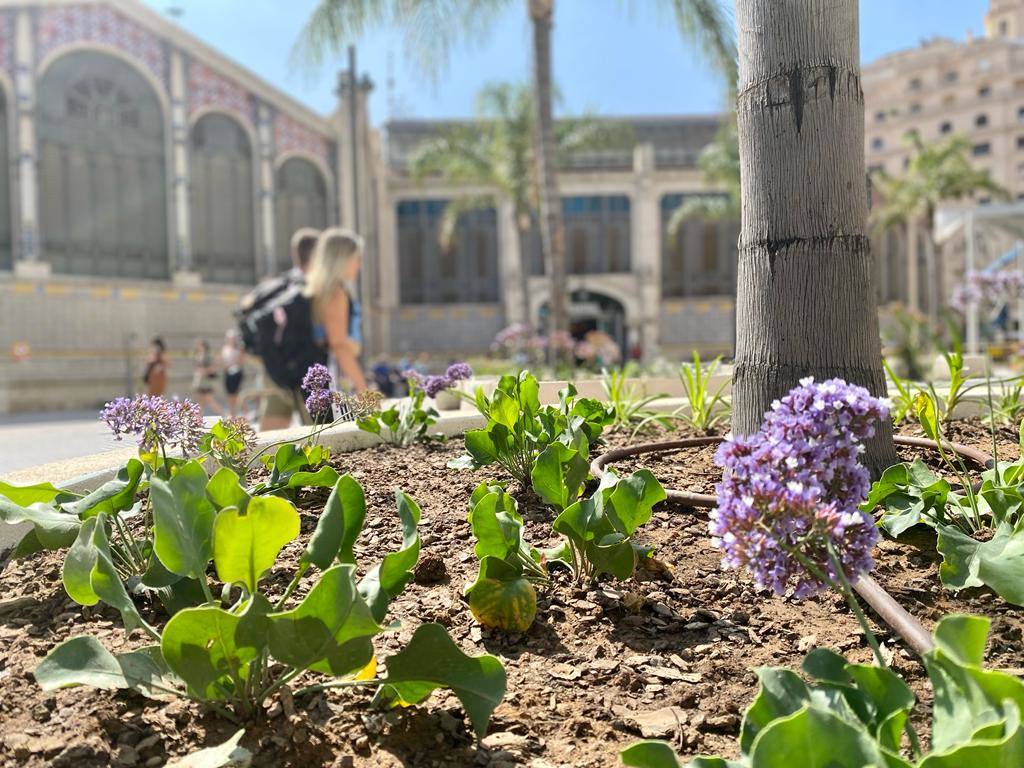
column 277, row 326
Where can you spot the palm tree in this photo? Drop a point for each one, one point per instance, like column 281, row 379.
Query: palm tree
column 937, row 173
column 805, row 303
column 496, row 153
column 434, row 27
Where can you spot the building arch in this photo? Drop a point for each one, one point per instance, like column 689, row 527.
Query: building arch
column 301, row 199
column 103, row 159
column 222, row 199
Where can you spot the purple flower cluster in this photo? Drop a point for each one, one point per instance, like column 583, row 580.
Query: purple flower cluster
column 434, row 385
column 795, row 487
column 321, row 399
column 155, row 421
column 982, row 288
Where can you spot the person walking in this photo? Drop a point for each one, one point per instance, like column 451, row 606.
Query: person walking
column 232, row 361
column 157, row 365
column 337, row 316
column 278, row 405
column 204, row 374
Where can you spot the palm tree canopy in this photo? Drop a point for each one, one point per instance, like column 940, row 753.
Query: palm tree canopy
column 495, row 153
column 937, row 173
column 434, row 28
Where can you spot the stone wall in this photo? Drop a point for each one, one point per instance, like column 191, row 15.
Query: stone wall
column 445, row 330
column 704, row 324
column 87, row 340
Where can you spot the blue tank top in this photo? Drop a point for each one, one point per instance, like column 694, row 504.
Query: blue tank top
column 355, row 324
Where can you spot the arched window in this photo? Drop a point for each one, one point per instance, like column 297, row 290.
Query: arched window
column 102, row 169
column 6, row 245
column 223, row 241
column 300, row 197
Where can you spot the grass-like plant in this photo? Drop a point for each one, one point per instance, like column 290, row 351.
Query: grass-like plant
column 628, row 407
column 705, row 407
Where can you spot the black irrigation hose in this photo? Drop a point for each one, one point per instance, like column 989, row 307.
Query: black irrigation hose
column 885, row 605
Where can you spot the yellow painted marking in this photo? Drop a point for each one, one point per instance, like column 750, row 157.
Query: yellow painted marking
column 101, row 292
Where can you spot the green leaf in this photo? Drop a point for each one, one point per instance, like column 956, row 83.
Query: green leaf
column 83, row 660
column 89, row 574
column 221, row 756
column 370, row 424
column 966, row 697
column 480, row 447
column 388, row 579
column 781, row 692
column 53, row 529
column 498, row 533
column 652, row 754
column 612, row 554
column 430, row 661
column 997, row 563
column 558, row 475
column 632, row 500
column 114, row 495
column 330, row 631
column 212, row 649
column 1003, row 751
column 225, row 490
column 183, row 521
column 817, row 738
column 325, row 477
column 40, row 493
column 245, row 545
column 339, row 526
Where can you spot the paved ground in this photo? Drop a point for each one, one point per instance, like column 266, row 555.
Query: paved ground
column 27, row 440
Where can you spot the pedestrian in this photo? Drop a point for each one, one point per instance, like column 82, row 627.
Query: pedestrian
column 337, row 318
column 232, row 360
column 204, row 374
column 279, row 405
column 157, row 365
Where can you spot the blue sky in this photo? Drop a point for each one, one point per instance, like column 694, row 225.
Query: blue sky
column 613, row 62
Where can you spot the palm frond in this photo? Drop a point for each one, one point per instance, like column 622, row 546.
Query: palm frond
column 432, row 28
column 703, row 208
column 454, row 210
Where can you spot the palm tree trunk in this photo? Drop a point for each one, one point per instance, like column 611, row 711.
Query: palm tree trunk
column 806, row 304
column 551, row 228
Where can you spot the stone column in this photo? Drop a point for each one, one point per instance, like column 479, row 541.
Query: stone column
column 646, row 251
column 27, row 261
column 181, row 268
column 389, row 300
column 510, row 265
column 265, row 180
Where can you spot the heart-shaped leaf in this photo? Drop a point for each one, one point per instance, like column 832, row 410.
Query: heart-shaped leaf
column 430, row 661
column 330, row 631
column 183, row 521
column 245, row 545
column 83, row 660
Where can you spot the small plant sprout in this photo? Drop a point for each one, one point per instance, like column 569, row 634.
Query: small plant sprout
column 407, row 421
column 629, row 409
column 705, row 408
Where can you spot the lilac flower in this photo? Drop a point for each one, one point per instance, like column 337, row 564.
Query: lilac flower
column 318, row 377
column 796, row 486
column 320, row 404
column 435, row 385
column 155, row 421
column 979, row 288
column 459, row 372
column 413, row 378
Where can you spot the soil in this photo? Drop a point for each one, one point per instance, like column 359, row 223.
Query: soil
column 671, row 650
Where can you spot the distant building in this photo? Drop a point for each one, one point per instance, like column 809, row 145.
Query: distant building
column 941, row 88
column 146, row 181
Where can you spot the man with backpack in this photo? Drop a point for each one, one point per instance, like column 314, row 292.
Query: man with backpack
column 276, row 325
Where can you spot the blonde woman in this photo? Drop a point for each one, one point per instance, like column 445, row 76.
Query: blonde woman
column 330, row 286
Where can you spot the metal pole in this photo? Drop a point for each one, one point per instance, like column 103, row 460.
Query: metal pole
column 353, row 116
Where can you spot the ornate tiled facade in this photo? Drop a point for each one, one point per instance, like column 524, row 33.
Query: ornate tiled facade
column 292, row 136
column 208, row 88
column 66, row 25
